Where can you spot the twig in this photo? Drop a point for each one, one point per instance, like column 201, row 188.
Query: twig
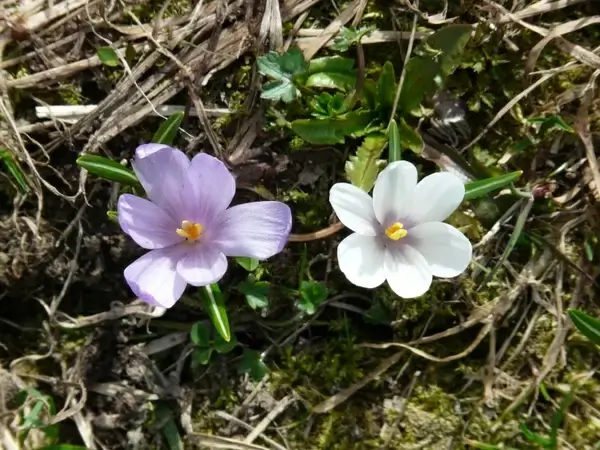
column 78, row 111
column 316, row 235
column 281, row 406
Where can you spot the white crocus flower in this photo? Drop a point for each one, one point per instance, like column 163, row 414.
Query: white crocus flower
column 398, row 234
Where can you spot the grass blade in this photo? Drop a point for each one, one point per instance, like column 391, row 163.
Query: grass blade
column 480, row 188
column 14, row 169
column 511, row 242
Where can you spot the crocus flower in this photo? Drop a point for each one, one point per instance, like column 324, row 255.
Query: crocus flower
column 398, row 234
column 188, row 226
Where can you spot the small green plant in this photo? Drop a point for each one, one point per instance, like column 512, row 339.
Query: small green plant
column 36, row 411
column 206, row 343
column 550, row 442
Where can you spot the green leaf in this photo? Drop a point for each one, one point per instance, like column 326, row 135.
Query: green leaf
column 283, row 69
column 586, row 324
column 435, row 59
column 168, row 130
column 169, row 429
column 201, row 356
column 369, row 94
column 338, row 81
column 250, row 264
column 558, row 416
column 480, row 188
column 332, row 72
column 252, row 364
column 386, row 90
column 256, row 293
column 409, row 137
column 349, row 36
column 362, row 168
column 311, row 296
column 378, row 314
column 332, row 131
column 14, row 169
column 395, row 148
column 108, row 169
column 130, row 54
column 554, row 122
column 222, row 346
column 215, row 307
column 112, row 215
column 200, row 335
column 108, row 56
column 512, row 241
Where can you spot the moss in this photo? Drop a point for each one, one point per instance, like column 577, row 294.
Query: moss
column 70, row 94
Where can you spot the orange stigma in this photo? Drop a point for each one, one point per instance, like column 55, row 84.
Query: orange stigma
column 190, row 230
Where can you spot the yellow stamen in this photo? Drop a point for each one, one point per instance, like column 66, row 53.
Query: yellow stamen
column 396, row 231
column 190, row 230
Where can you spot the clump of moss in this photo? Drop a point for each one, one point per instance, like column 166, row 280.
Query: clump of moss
column 70, row 94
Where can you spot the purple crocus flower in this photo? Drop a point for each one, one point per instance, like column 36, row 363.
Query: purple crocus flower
column 188, row 226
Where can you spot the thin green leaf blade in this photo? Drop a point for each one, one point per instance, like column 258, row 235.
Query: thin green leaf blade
column 168, row 130
column 480, row 188
column 514, row 237
column 169, row 429
column 587, row 325
column 534, row 437
column 108, row 169
column 215, row 307
column 14, row 169
column 395, row 148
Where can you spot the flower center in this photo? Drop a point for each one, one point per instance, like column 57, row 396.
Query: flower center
column 396, row 231
column 190, row 230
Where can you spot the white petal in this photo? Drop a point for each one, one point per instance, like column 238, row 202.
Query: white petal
column 447, row 251
column 435, row 198
column 354, row 208
column 407, row 271
column 361, row 259
column 393, row 191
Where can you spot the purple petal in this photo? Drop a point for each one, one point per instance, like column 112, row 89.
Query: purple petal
column 162, row 172
column 202, row 265
column 148, row 225
column 154, row 279
column 147, row 149
column 210, row 190
column 255, row 230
